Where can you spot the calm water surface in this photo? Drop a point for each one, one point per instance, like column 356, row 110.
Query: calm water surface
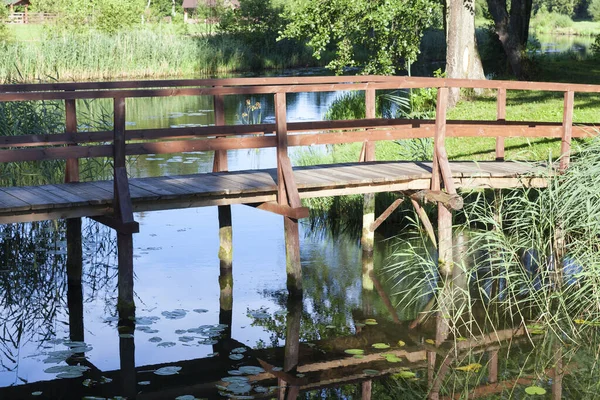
column 179, row 312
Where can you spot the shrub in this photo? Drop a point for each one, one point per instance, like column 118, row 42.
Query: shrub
column 594, row 10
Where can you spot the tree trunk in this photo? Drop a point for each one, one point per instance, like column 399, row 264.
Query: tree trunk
column 512, row 30
column 462, row 56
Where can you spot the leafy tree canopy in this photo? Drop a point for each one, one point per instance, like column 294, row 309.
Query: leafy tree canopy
column 378, row 34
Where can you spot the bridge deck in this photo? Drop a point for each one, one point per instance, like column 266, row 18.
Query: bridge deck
column 69, row 200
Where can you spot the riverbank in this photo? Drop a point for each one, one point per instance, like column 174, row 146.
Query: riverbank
column 150, row 52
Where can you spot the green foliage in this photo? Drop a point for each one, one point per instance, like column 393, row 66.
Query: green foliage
column 115, row 15
column 564, row 7
column 4, row 32
column 594, row 10
column 255, row 21
column 548, row 21
column 386, row 32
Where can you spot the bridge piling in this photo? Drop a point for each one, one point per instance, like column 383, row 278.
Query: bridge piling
column 74, row 274
column 125, row 304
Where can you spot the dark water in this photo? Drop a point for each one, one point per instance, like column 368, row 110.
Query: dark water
column 62, row 337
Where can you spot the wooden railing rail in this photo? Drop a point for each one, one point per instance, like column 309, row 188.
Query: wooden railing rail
column 72, row 145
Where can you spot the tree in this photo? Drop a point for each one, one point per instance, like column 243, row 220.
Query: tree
column 379, row 34
column 512, row 28
column 462, row 55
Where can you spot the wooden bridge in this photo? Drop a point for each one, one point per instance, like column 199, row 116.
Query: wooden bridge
column 278, row 190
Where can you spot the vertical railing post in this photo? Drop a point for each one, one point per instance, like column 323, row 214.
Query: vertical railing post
column 122, row 212
column 118, row 149
column 225, row 227
column 287, row 195
column 367, row 240
column 282, row 145
column 442, row 171
column 72, row 165
column 500, row 117
column 565, row 146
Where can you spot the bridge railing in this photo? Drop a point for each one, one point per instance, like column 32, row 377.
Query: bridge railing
column 121, row 142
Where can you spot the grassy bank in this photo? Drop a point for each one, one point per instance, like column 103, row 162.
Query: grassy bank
column 141, row 53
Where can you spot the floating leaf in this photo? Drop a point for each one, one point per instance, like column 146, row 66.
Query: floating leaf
column 380, row 346
column 392, row 358
column 168, row 370
column 126, row 335
column 401, row 343
column 200, row 310
column 186, row 339
column 474, row 367
column 236, row 357
column 251, row 370
column 232, row 379
column 430, row 341
column 185, row 397
column 36, row 393
column 175, row 314
column 235, row 372
column 354, row 351
column 461, row 339
column 239, row 350
column 370, row 321
column 535, row 390
column 358, row 356
column 144, row 383
column 155, row 339
column 88, row 382
column 405, row 374
column 180, row 331
column 166, row 344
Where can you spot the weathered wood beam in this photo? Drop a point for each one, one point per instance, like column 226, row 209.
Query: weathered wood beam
column 375, row 224
column 424, row 218
column 451, row 201
column 117, row 224
column 282, row 209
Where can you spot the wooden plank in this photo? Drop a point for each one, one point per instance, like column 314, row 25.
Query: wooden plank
column 369, row 146
column 151, row 185
column 12, row 203
column 565, row 145
column 286, row 211
column 36, row 198
column 93, row 195
column 282, row 145
column 134, row 190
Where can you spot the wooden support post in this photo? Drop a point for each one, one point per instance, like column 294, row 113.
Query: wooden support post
column 226, row 297
column 565, row 146
column 368, row 236
column 450, row 201
column 127, row 373
column 292, row 255
column 500, row 116
column 72, row 164
column 366, row 389
column 125, row 304
column 367, row 270
column 385, row 215
column 558, row 373
column 74, row 273
column 493, row 366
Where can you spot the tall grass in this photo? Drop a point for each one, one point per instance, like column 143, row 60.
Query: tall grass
column 531, row 254
column 141, row 53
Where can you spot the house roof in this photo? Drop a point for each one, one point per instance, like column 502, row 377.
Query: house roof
column 17, row 2
column 209, row 3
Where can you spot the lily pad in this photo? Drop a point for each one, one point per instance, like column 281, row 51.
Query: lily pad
column 200, row 310
column 251, row 370
column 535, row 390
column 175, row 314
column 405, row 374
column 380, row 346
column 144, row 383
column 474, row 367
column 358, row 356
column 430, row 341
column 354, row 351
column 186, row 339
column 167, row 370
column 401, row 343
column 392, row 358
column 36, row 393
column 370, row 321
column 185, row 397
column 239, row 350
column 166, row 344
column 236, row 357
column 155, row 339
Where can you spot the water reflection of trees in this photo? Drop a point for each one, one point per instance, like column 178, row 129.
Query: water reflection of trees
column 34, row 281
